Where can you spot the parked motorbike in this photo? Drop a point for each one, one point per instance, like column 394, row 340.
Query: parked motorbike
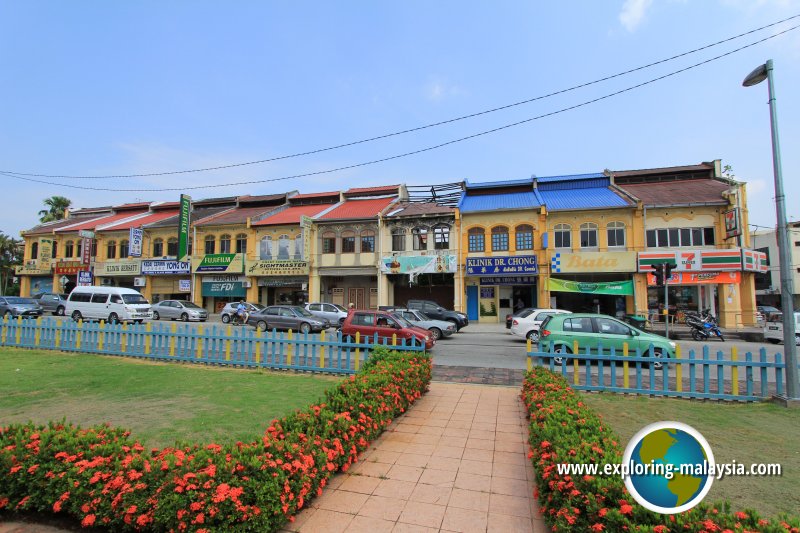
column 704, row 326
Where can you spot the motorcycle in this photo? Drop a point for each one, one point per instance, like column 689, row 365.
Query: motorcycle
column 704, row 326
column 239, row 320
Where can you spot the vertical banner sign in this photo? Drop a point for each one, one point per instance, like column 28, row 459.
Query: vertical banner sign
column 135, row 240
column 45, row 253
column 732, row 223
column 183, row 227
column 86, row 250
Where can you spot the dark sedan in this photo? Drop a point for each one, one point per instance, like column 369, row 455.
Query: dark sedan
column 13, row 306
column 291, row 317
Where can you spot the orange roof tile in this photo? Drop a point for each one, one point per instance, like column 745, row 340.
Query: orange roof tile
column 368, row 208
column 153, row 217
column 93, row 223
column 292, row 215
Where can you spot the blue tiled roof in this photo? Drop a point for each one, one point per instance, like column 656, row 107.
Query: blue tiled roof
column 493, row 202
column 586, row 183
column 584, row 198
column 493, row 184
column 570, row 177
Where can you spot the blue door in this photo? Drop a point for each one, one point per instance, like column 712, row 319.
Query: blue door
column 472, row 302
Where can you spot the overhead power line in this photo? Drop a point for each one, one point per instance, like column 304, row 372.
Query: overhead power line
column 415, row 129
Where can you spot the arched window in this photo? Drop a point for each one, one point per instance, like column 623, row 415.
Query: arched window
column 211, row 244
column 265, row 248
column 158, row 247
column 500, row 239
column 329, row 243
column 283, row 247
column 367, row 241
column 225, row 244
column 124, row 249
column 35, row 250
column 477, row 239
column 79, row 248
column 93, row 252
column 588, row 235
column 616, row 234
column 241, row 243
column 111, row 250
column 441, row 237
column 419, row 238
column 398, row 240
column 348, row 242
column 172, row 247
column 299, row 252
column 523, row 239
column 562, row 235
column 69, row 248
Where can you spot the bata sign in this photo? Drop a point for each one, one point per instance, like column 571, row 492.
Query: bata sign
column 586, row 262
column 160, row 266
column 276, row 268
column 492, row 266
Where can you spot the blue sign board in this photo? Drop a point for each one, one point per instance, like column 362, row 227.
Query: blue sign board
column 500, row 266
column 507, row 280
column 84, row 278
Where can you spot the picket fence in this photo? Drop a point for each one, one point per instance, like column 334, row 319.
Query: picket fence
column 707, row 377
column 223, row 345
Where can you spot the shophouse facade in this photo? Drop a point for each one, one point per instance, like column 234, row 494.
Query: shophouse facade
column 418, row 250
column 768, row 283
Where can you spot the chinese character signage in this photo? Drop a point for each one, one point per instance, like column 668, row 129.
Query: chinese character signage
column 499, row 266
column 45, row 253
column 135, row 242
column 86, row 250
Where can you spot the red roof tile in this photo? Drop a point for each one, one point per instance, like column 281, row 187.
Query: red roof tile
column 358, row 209
column 383, row 189
column 153, row 217
column 136, row 205
column 234, row 216
column 49, row 227
column 292, row 215
column 93, row 223
column 684, row 192
column 314, row 195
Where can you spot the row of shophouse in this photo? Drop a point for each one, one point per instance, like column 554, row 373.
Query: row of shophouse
column 579, row 242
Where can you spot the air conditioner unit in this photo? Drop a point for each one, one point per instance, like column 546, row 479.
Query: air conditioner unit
column 247, row 284
column 107, row 282
column 139, row 281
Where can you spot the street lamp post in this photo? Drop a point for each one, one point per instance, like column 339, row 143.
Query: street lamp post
column 764, row 72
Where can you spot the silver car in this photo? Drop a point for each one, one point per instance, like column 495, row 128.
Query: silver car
column 179, row 310
column 52, row 303
column 333, row 313
column 13, row 306
column 438, row 328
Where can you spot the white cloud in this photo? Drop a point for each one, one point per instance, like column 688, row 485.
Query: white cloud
column 633, row 13
column 438, row 90
column 757, row 187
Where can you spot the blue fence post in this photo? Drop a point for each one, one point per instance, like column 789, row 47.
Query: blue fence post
column 638, row 370
column 764, row 373
column 720, row 373
column 749, row 374
column 706, row 370
column 779, row 374
column 651, row 370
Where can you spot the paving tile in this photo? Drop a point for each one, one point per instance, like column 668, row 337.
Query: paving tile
column 469, row 499
column 510, row 471
column 371, row 469
column 405, row 427
column 464, row 520
column 423, row 514
column 513, row 447
column 448, row 451
column 473, row 482
column 421, row 449
column 426, row 438
column 405, row 473
column 412, row 459
column 455, row 432
column 431, row 494
column 299, row 520
column 510, row 505
column 512, row 487
column 509, row 428
column 459, row 424
column 458, row 442
column 386, row 508
column 502, row 523
column 478, row 455
column 368, row 524
column 360, row 484
column 334, row 482
column 394, row 488
column 440, row 478
column 480, row 444
column 475, row 467
column 381, row 456
column 444, row 463
column 431, row 430
column 342, row 501
column 484, row 426
column 510, row 458
column 462, row 416
column 394, row 446
column 410, row 528
column 437, row 422
column 509, row 437
column 324, row 521
column 481, row 434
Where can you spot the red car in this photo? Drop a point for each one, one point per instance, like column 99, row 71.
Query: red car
column 385, row 324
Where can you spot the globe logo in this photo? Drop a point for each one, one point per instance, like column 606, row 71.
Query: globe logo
column 670, row 467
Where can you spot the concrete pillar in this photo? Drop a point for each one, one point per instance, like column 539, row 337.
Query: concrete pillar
column 25, row 286
column 730, row 307
column 748, row 298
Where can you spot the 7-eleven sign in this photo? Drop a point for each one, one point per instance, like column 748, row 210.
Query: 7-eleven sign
column 689, row 261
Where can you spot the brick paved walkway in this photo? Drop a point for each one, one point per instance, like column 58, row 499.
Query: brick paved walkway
column 456, row 461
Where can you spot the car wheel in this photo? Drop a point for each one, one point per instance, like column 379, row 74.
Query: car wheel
column 658, row 354
column 77, row 316
column 226, row 318
column 533, row 335
column 305, row 328
column 797, row 340
column 436, row 333
column 562, row 350
column 776, row 341
column 341, row 321
column 113, row 318
column 156, row 316
column 185, row 317
column 262, row 326
column 60, row 310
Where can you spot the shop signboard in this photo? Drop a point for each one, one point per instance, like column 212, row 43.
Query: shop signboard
column 135, row 242
column 733, row 226
column 503, row 265
column 229, row 263
column 185, row 285
column 589, row 262
column 157, row 267
column 621, row 288
column 84, row 278
column 118, row 268
column 699, row 278
column 45, row 253
column 69, row 268
column 32, row 268
column 183, row 226
column 418, row 264
column 753, row 261
column 507, row 280
column 224, row 286
column 694, row 260
column 86, row 250
column 263, row 267
column 282, row 282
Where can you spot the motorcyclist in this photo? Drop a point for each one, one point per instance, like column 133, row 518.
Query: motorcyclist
column 241, row 312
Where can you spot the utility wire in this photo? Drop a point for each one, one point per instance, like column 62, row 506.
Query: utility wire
column 415, row 152
column 419, row 128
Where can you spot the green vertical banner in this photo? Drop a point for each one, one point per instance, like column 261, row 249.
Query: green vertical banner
column 183, row 227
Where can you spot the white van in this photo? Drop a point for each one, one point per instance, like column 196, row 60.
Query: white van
column 773, row 328
column 112, row 304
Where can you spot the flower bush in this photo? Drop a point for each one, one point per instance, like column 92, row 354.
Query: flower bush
column 564, row 430
column 101, row 477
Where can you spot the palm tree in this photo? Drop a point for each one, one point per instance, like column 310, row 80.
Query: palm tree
column 9, row 257
column 57, row 206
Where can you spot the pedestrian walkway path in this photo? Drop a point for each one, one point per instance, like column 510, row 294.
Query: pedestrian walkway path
column 455, row 462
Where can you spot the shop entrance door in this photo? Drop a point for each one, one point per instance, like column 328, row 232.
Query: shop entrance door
column 472, row 302
column 357, row 297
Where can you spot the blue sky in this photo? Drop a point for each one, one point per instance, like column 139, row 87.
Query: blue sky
column 101, row 88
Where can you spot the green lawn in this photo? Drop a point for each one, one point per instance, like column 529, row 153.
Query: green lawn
column 160, row 403
column 746, row 433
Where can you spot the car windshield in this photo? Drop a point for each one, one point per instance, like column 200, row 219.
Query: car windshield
column 339, row 307
column 402, row 321
column 16, row 300
column 258, row 307
column 302, row 311
column 133, row 299
column 525, row 312
column 191, row 305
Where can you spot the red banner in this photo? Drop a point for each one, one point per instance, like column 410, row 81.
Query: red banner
column 69, row 267
column 86, row 250
column 699, row 278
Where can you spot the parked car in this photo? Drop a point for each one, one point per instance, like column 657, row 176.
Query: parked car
column 230, row 309
column 437, row 312
column 113, row 304
column 525, row 311
column 385, row 324
column 559, row 331
column 291, row 317
column 13, row 306
column 438, row 328
column 528, row 326
column 179, row 310
column 333, row 313
column 52, row 302
column 773, row 328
